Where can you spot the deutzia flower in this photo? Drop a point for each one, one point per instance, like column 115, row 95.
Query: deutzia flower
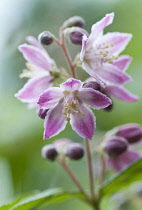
column 40, row 65
column 100, row 52
column 69, row 104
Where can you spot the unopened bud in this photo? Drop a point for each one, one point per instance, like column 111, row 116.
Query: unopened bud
column 42, row 113
column 76, row 38
column 131, row 132
column 49, row 152
column 45, row 38
column 115, row 146
column 75, row 151
column 92, row 84
column 74, row 21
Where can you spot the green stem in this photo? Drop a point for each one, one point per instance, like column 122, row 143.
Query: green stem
column 73, row 177
column 90, row 168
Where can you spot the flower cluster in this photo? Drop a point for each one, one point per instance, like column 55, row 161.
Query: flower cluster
column 119, row 145
column 71, row 101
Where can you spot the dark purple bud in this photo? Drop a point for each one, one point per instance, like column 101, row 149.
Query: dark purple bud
column 74, row 21
column 109, row 108
column 92, row 84
column 75, row 151
column 45, row 38
column 115, row 146
column 42, row 113
column 49, row 152
column 76, row 37
column 131, row 132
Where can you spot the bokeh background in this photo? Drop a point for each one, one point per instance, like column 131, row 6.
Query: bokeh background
column 22, row 169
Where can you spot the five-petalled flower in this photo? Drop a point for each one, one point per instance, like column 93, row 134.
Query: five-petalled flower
column 40, row 65
column 100, row 52
column 68, row 103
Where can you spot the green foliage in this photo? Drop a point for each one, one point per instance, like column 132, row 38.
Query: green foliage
column 122, row 179
column 38, row 199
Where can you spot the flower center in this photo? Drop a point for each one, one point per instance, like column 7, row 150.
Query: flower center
column 70, row 105
column 105, row 55
column 101, row 54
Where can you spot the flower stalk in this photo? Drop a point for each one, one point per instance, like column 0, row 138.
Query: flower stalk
column 90, row 168
column 63, row 163
column 63, row 46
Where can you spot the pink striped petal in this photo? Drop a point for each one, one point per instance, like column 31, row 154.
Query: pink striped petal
column 50, row 97
column 119, row 41
column 36, row 56
column 120, row 93
column 33, row 41
column 82, row 53
column 123, row 62
column 112, row 74
column 93, row 74
column 54, row 122
column 123, row 161
column 33, row 88
column 98, row 28
column 94, row 98
column 84, row 124
column 71, row 85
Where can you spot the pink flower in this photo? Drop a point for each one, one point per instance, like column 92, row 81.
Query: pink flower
column 100, row 52
column 40, row 65
column 69, row 104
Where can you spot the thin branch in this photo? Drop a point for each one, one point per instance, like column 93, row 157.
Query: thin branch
column 90, row 168
column 62, row 44
column 73, row 177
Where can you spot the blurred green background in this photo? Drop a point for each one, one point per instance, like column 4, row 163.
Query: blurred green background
column 21, row 167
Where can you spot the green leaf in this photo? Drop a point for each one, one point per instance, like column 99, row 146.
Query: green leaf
column 39, row 199
column 123, row 179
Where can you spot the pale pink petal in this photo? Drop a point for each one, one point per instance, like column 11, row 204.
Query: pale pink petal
column 82, row 53
column 93, row 74
column 119, row 41
column 121, row 93
column 112, row 74
column 83, row 123
column 32, row 40
column 33, row 88
column 36, row 56
column 94, row 98
column 123, row 161
column 98, row 28
column 123, row 62
column 71, row 85
column 50, row 97
column 54, row 122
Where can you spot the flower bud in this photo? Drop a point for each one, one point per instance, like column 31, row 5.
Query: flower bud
column 49, row 152
column 42, row 113
column 45, row 38
column 74, row 21
column 115, row 146
column 76, row 38
column 131, row 132
column 75, row 151
column 92, row 84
